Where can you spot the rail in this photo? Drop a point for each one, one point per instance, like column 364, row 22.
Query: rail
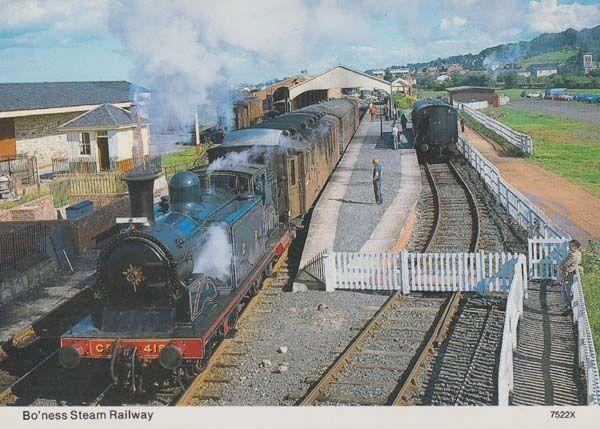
column 516, row 204
column 420, row 272
column 545, row 255
column 520, row 140
column 513, row 313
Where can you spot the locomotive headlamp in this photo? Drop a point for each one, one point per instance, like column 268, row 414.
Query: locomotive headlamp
column 69, row 357
column 170, row 357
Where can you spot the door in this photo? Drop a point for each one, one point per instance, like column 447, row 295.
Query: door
column 293, row 187
column 8, row 143
column 103, row 155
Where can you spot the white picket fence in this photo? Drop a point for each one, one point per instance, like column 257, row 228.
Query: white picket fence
column 514, row 311
column 544, row 256
column 520, row 140
column 408, row 271
column 516, row 204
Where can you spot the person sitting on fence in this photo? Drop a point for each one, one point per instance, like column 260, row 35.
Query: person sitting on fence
column 567, row 269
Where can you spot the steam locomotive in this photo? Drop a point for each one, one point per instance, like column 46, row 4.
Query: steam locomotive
column 434, row 126
column 172, row 284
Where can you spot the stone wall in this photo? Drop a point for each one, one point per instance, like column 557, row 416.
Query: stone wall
column 40, row 209
column 20, row 281
column 39, row 135
column 85, row 229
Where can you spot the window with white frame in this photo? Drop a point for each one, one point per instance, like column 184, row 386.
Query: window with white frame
column 84, row 144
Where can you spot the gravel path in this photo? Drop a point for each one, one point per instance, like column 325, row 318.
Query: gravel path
column 312, row 338
column 565, row 109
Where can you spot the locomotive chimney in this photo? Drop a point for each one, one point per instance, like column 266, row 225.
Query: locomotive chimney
column 140, row 185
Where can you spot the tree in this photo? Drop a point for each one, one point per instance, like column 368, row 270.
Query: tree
column 512, row 79
column 388, row 76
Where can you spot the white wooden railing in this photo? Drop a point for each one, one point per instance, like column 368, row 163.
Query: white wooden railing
column 514, row 311
column 408, row 271
column 520, row 140
column 516, row 204
column 585, row 340
column 544, row 257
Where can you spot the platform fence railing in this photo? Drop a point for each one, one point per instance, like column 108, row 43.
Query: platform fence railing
column 516, row 204
column 545, row 256
column 420, row 272
column 520, row 140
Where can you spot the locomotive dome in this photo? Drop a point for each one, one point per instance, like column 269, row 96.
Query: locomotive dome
column 184, row 191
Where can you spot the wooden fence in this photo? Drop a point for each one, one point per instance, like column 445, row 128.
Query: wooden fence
column 81, row 186
column 520, row 140
column 424, row 272
column 543, row 255
column 516, row 204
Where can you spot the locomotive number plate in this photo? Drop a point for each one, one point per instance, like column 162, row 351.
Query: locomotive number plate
column 144, row 348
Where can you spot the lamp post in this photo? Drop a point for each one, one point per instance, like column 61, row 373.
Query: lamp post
column 381, row 125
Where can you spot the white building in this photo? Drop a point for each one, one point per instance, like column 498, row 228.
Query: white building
column 401, row 85
column 443, row 78
column 105, row 137
column 541, row 70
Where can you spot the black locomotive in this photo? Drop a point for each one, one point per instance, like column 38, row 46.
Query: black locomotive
column 435, row 127
column 173, row 283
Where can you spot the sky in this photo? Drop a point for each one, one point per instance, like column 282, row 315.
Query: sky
column 191, row 49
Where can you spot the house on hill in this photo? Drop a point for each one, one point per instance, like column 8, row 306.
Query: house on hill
column 541, row 70
column 31, row 113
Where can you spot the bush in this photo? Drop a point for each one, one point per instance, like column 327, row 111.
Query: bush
column 404, row 101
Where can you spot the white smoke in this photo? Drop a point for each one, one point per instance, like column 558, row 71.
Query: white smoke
column 231, row 159
column 186, row 51
column 214, row 258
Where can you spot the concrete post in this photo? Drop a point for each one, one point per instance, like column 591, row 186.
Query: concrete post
column 329, row 272
column 404, row 279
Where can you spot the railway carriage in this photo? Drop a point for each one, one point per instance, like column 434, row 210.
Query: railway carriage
column 171, row 285
column 435, row 127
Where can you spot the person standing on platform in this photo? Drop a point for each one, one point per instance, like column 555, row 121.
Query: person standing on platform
column 403, row 121
column 373, row 112
column 462, row 124
column 395, row 132
column 377, row 179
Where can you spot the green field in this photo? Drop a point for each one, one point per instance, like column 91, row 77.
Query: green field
column 566, row 147
column 591, row 289
column 550, row 57
column 515, row 93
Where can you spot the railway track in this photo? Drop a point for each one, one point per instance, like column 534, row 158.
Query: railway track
column 383, row 363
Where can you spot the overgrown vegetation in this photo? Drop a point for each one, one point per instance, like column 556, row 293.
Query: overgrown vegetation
column 591, row 289
column 566, row 147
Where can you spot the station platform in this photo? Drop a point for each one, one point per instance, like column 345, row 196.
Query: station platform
column 346, row 218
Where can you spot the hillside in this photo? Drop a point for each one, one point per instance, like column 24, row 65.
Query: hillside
column 548, row 47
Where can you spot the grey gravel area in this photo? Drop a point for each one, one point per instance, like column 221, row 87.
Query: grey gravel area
column 566, row 109
column 312, row 337
column 359, row 215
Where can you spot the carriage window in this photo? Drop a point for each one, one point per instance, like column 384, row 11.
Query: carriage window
column 223, row 181
column 293, row 172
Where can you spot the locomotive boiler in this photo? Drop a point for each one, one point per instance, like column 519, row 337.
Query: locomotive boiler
column 435, row 126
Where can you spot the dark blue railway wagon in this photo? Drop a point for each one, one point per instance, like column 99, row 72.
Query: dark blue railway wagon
column 434, row 125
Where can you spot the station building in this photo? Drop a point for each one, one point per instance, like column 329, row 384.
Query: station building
column 470, row 94
column 31, row 113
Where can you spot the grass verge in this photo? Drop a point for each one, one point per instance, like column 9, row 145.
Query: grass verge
column 187, row 155
column 507, row 148
column 566, row 147
column 31, row 194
